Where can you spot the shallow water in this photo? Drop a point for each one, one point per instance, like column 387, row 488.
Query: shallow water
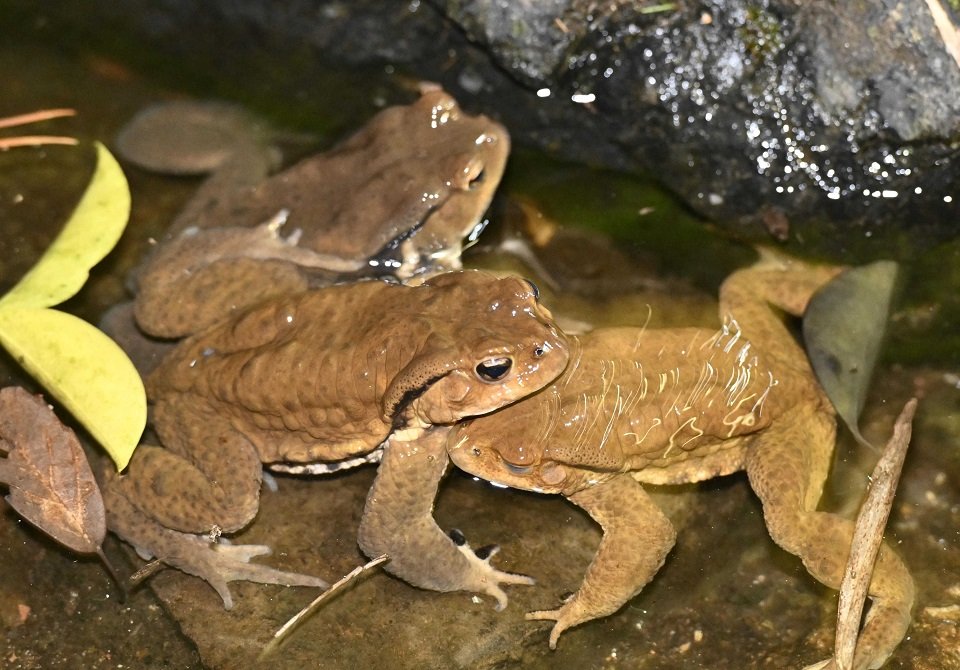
column 726, row 598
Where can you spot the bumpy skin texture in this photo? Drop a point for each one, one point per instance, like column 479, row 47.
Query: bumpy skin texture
column 674, row 406
column 398, row 521
column 325, row 376
column 397, row 199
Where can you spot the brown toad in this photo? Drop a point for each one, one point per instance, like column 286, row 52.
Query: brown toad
column 638, row 407
column 332, row 376
column 398, row 199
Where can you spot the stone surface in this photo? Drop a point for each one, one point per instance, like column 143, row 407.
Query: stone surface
column 827, row 124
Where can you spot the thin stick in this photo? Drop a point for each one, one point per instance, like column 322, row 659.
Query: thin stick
column 867, row 536
column 35, row 141
column 35, row 117
column 113, row 574
column 948, row 31
column 146, row 570
column 340, row 585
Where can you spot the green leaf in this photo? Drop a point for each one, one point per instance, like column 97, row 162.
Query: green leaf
column 91, row 232
column 82, row 368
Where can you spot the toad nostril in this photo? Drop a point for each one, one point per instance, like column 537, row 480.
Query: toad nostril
column 477, row 179
column 538, row 352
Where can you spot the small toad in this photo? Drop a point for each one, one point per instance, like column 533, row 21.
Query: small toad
column 640, row 407
column 399, row 199
column 333, row 377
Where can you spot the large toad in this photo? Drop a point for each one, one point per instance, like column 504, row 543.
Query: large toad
column 398, row 199
column 332, row 377
column 638, row 407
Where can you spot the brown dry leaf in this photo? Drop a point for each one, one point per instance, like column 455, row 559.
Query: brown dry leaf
column 868, row 535
column 51, row 484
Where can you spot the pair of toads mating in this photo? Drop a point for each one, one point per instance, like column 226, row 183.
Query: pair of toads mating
column 281, row 369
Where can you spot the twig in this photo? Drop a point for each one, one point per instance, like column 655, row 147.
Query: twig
column 340, row 585
column 656, row 9
column 948, row 31
column 113, row 574
column 867, row 536
column 35, row 117
column 146, row 570
column 35, row 140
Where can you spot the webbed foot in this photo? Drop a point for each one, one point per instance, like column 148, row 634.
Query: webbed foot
column 398, row 521
column 566, row 617
column 216, row 563
column 221, row 563
column 481, row 576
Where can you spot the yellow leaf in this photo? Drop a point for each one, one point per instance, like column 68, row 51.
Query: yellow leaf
column 80, row 366
column 83, row 369
column 90, row 233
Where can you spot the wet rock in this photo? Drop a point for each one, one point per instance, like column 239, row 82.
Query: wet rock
column 828, row 124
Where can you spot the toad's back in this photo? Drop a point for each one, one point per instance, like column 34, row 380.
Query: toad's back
column 664, row 398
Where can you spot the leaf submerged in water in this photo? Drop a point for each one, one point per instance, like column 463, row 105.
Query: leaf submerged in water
column 843, row 328
column 50, row 481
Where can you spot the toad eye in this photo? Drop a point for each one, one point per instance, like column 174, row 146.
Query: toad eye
column 534, row 290
column 518, row 469
column 494, row 369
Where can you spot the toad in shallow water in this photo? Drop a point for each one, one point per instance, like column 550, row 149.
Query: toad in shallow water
column 332, row 376
column 400, row 198
column 672, row 406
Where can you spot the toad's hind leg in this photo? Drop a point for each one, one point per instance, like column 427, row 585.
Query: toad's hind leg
column 208, row 475
column 787, row 466
column 788, row 285
column 217, row 563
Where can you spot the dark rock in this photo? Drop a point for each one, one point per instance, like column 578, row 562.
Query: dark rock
column 833, row 125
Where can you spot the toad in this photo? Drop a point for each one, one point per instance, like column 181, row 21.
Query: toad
column 399, row 199
column 323, row 380
column 640, row 407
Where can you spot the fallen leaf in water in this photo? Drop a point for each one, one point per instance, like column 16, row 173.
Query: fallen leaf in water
column 843, row 328
column 867, row 536
column 79, row 365
column 84, row 369
column 92, row 230
column 51, row 484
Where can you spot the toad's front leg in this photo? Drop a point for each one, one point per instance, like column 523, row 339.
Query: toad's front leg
column 398, row 521
column 636, row 539
column 205, row 275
